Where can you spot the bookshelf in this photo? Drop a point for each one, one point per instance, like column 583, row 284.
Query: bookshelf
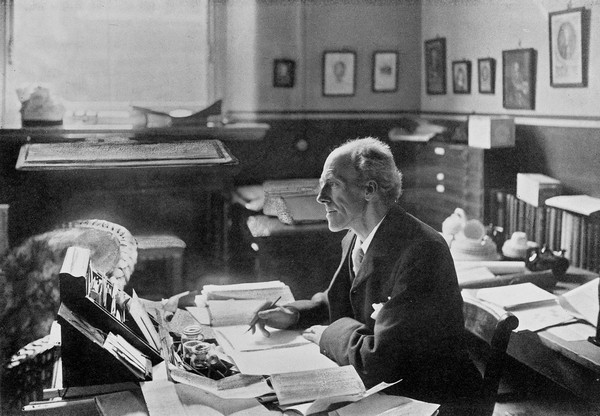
column 558, row 229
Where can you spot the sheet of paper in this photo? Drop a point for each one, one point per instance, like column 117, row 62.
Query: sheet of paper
column 233, row 311
column 573, row 332
column 381, row 404
column 581, row 204
column 475, row 274
column 541, row 317
column 495, row 267
column 516, row 296
column 281, row 360
column 240, row 339
column 255, row 387
column 305, row 386
column 198, row 402
column 584, row 301
column 161, row 398
column 200, row 314
column 259, row 290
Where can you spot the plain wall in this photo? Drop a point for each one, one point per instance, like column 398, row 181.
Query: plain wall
column 258, row 32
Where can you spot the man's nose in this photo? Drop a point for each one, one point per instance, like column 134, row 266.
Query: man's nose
column 322, row 197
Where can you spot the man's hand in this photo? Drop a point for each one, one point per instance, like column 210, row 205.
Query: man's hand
column 313, row 334
column 280, row 317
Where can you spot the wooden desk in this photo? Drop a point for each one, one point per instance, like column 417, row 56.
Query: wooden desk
column 574, row 365
column 179, row 187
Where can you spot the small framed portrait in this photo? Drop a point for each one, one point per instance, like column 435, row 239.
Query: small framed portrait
column 339, row 77
column 518, row 79
column 284, row 72
column 461, row 77
column 385, row 71
column 435, row 66
column 568, row 48
column 486, row 74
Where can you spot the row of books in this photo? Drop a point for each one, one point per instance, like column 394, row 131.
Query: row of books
column 573, row 230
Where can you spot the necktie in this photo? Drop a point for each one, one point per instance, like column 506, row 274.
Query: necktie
column 357, row 256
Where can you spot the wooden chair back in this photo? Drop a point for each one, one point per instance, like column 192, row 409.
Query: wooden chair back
column 492, row 325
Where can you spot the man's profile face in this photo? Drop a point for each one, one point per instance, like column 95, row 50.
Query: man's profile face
column 343, row 199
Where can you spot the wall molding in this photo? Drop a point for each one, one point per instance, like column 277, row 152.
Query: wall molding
column 524, row 120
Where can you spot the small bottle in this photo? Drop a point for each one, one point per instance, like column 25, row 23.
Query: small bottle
column 192, row 333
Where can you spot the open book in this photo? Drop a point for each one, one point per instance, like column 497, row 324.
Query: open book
column 537, row 308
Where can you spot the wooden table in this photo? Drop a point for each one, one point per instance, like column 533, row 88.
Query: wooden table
column 181, row 187
column 574, row 365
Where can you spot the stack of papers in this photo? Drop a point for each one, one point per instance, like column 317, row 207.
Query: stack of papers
column 270, row 290
column 538, row 309
column 230, row 309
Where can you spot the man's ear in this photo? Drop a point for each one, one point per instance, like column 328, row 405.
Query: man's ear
column 371, row 190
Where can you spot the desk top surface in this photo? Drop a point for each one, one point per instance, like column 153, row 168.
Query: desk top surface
column 122, row 153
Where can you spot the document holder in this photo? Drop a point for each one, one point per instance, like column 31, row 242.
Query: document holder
column 86, row 362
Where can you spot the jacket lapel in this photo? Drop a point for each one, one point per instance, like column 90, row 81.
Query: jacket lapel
column 379, row 247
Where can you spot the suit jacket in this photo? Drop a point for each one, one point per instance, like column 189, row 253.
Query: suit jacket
column 417, row 336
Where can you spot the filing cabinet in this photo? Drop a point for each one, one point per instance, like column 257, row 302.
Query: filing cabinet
column 451, row 175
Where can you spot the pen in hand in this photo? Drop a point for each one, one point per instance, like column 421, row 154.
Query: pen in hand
column 255, row 318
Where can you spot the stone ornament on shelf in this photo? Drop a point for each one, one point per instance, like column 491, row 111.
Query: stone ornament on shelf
column 39, row 107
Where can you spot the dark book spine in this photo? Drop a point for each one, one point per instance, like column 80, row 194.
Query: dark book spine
column 511, row 204
column 521, row 206
column 558, row 230
column 540, row 226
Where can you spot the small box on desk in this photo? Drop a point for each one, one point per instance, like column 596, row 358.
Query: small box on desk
column 487, row 132
column 535, row 188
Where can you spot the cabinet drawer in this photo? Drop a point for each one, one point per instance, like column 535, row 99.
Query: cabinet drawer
column 443, row 154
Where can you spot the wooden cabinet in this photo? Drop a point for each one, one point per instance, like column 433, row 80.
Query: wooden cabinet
column 451, row 175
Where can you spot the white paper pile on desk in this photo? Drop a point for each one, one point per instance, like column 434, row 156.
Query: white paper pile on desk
column 486, row 273
column 310, row 392
column 538, row 309
column 230, row 308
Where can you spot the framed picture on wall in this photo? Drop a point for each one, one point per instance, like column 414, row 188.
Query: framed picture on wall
column 435, row 66
column 284, row 73
column 385, row 71
column 486, row 74
column 518, row 79
column 339, row 77
column 568, row 48
column 461, row 77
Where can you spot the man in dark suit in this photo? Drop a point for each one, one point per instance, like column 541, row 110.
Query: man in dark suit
column 397, row 314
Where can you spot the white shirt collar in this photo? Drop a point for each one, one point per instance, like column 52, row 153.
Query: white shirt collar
column 365, row 244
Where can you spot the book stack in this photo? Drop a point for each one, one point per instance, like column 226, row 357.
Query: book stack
column 566, row 222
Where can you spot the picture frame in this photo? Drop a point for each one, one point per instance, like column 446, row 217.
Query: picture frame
column 519, row 78
column 461, row 77
column 486, row 75
column 284, row 73
column 385, row 71
column 568, row 48
column 435, row 66
column 339, row 73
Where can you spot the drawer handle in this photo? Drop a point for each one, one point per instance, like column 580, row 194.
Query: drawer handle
column 440, row 151
column 440, row 188
column 440, row 176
